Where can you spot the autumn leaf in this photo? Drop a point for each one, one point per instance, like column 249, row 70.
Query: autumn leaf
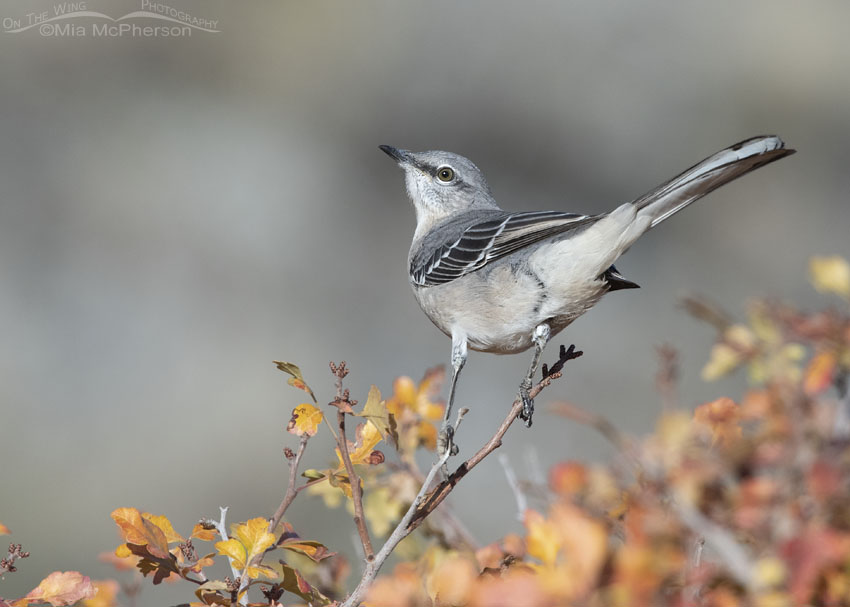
column 305, row 420
column 375, row 410
column 295, row 583
column 543, row 539
column 62, row 588
column 820, row 372
column 106, row 594
column 201, row 532
column 250, row 539
column 315, row 551
column 297, row 380
column 451, row 581
column 721, row 417
column 136, row 529
column 208, row 593
column 830, row 275
column 727, row 355
column 366, row 438
column 120, row 558
column 4, row 530
column 164, row 525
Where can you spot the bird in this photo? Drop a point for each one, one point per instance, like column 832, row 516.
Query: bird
column 506, row 282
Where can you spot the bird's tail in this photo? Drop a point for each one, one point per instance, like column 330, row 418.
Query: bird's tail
column 708, row 175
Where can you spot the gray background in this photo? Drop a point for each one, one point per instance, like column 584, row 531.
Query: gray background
column 177, row 213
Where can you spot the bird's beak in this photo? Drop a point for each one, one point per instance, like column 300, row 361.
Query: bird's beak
column 400, row 156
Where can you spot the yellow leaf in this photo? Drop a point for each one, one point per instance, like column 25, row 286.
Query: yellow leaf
column 234, row 550
column 123, row 552
column 830, row 275
column 367, row 438
column 451, row 581
column 254, row 535
column 375, row 410
column 256, row 571
column 305, row 420
column 382, row 509
column 769, row 572
column 62, row 588
column 723, row 360
column 543, row 540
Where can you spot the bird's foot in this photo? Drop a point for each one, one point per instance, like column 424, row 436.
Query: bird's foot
column 445, row 441
column 527, row 402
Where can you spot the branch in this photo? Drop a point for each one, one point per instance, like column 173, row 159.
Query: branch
column 342, row 402
column 513, row 482
column 425, row 503
column 222, row 531
column 291, row 490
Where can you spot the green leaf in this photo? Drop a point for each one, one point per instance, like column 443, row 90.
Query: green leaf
column 375, row 410
column 297, row 379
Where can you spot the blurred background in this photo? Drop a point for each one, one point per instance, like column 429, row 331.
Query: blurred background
column 176, row 213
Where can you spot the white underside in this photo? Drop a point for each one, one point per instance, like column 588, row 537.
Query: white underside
column 498, row 310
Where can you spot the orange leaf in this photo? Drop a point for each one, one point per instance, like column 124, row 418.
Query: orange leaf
column 120, row 559
column 722, row 417
column 106, row 593
column 62, row 588
column 4, row 530
column 819, row 373
column 165, row 526
column 135, row 529
column 202, row 533
column 305, row 420
column 568, row 478
column 314, row 550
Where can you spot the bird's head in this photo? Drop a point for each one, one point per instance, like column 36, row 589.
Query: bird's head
column 441, row 184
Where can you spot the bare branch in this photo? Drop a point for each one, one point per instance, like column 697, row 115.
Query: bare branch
column 513, row 482
column 356, row 490
column 667, row 378
column 291, row 490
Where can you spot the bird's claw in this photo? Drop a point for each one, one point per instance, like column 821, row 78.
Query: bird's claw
column 527, row 403
column 445, row 441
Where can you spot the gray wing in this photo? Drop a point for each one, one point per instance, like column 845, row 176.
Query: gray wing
column 477, row 241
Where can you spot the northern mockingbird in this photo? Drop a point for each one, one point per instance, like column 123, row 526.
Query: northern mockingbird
column 503, row 282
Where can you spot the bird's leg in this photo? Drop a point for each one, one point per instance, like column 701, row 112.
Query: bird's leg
column 445, row 440
column 540, row 338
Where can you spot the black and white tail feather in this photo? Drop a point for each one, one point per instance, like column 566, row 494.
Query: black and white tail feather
column 708, row 175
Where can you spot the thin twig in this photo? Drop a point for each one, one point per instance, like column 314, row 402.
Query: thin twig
column 425, row 503
column 222, row 531
column 667, row 377
column 739, row 564
column 513, row 482
column 291, row 490
column 354, row 480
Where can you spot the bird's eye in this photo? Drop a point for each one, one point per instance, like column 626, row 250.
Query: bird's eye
column 445, row 174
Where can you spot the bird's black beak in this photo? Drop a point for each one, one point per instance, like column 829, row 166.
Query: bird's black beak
column 400, row 156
